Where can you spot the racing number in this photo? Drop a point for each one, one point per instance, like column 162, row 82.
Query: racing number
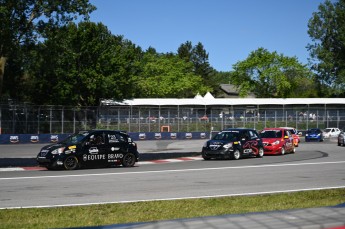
column 251, row 145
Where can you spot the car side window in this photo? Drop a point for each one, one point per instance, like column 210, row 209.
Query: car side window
column 288, row 133
column 244, row 135
column 253, row 134
column 121, row 138
column 96, row 139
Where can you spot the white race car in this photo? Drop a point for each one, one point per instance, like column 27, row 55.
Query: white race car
column 331, row 132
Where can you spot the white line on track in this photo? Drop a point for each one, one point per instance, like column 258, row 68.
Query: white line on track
column 181, row 198
column 181, row 170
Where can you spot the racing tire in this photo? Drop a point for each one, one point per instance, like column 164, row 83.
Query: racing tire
column 293, row 150
column 206, row 158
column 128, row 160
column 71, row 163
column 236, row 155
column 282, row 151
column 261, row 153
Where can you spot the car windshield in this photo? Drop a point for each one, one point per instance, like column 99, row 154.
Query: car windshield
column 271, row 134
column 74, row 139
column 327, row 130
column 227, row 136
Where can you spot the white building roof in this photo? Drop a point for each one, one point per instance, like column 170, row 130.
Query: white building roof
column 223, row 101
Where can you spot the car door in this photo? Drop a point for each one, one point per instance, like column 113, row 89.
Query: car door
column 95, row 150
column 117, row 146
column 289, row 140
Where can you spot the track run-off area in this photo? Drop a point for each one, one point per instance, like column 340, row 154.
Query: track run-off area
column 314, row 166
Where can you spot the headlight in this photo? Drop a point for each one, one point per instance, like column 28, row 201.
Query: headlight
column 306, row 135
column 205, row 144
column 227, row 146
column 318, row 134
column 58, row 151
column 276, row 143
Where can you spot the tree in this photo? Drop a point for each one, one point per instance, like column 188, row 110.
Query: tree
column 269, row 75
column 327, row 31
column 23, row 22
column 167, row 76
column 80, row 64
column 199, row 57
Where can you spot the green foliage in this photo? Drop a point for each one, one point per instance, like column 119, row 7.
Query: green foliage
column 327, row 31
column 81, row 64
column 23, row 22
column 198, row 56
column 100, row 215
column 269, row 74
column 167, row 76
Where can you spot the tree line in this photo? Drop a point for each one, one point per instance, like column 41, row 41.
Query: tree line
column 50, row 53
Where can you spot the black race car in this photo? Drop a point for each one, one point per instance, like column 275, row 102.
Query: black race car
column 94, row 148
column 233, row 144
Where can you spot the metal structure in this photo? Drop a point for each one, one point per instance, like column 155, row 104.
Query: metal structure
column 175, row 115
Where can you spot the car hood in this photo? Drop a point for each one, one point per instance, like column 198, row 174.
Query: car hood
column 217, row 142
column 270, row 140
column 313, row 134
column 53, row 146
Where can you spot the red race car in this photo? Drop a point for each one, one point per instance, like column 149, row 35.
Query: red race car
column 277, row 141
column 295, row 135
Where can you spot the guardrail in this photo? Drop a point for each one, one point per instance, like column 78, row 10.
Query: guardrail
column 53, row 138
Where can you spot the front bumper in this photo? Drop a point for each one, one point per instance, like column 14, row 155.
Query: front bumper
column 272, row 150
column 218, row 154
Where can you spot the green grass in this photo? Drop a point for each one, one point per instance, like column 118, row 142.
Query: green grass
column 95, row 215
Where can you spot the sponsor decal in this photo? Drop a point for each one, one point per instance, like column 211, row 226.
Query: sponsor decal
column 93, row 150
column 112, row 139
column 93, row 157
column 158, row 135
column 14, row 139
column 202, row 135
column 189, row 135
column 54, row 138
column 34, row 139
column 214, row 147
column 72, row 147
column 44, row 152
column 173, row 135
column 142, row 136
column 115, row 156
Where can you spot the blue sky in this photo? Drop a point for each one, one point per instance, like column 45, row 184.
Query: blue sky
column 228, row 29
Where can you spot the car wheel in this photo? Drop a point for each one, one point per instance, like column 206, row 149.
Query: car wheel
column 236, row 155
column 205, row 157
column 128, row 160
column 261, row 152
column 282, row 151
column 293, row 150
column 71, row 163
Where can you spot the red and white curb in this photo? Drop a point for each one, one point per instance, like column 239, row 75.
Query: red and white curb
column 36, row 168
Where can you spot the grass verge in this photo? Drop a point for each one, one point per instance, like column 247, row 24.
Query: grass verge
column 95, row 215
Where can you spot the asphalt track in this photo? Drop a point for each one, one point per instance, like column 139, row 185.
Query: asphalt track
column 323, row 166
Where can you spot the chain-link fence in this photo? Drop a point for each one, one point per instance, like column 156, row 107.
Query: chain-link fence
column 28, row 119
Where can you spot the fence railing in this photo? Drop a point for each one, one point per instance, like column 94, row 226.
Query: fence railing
column 27, row 119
